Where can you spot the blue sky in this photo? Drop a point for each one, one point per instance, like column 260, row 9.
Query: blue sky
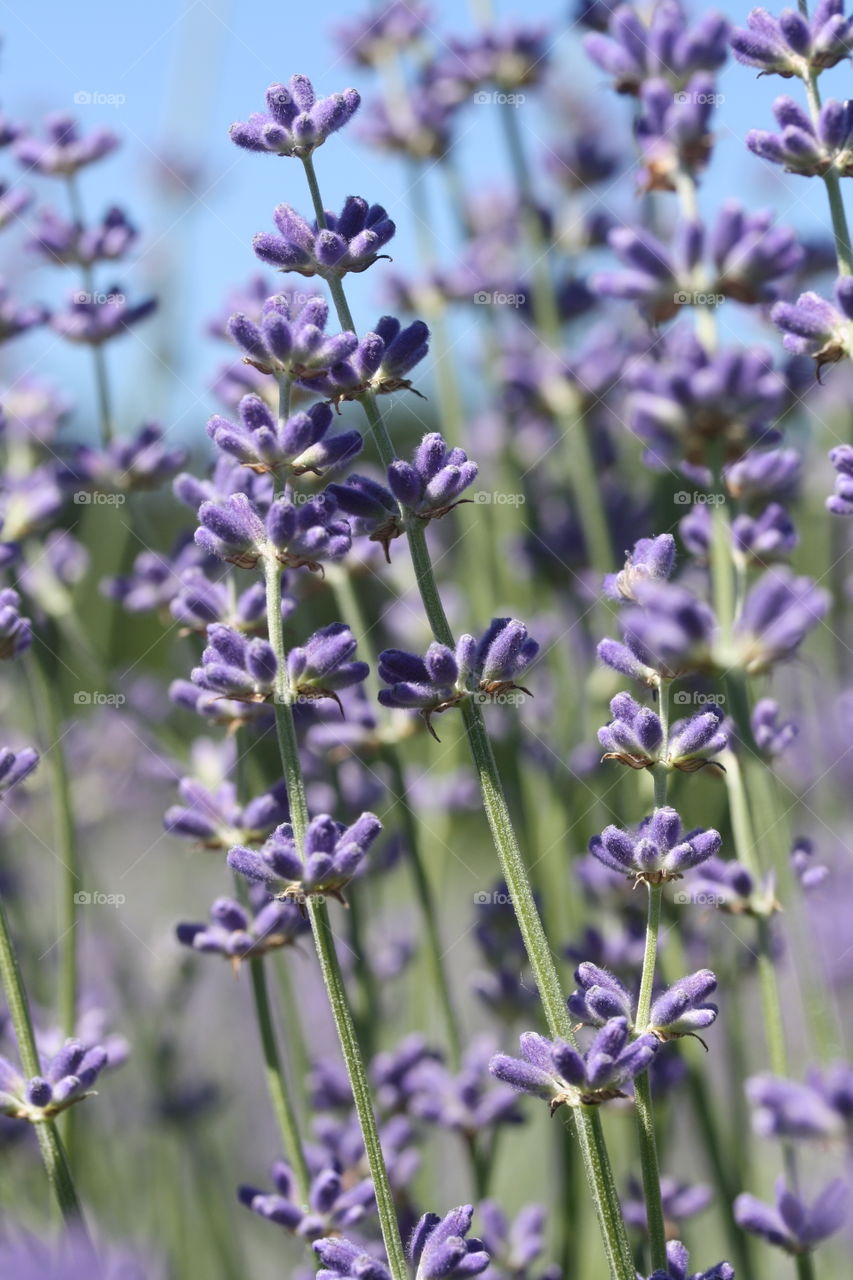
column 172, row 77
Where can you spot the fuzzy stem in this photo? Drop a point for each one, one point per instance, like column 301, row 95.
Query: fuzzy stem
column 50, row 1144
column 333, row 979
column 323, row 937
column 643, row 1092
column 831, row 179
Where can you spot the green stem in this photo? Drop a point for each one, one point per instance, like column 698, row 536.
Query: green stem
column 323, row 937
column 643, row 1092
column 589, row 1130
column 102, row 385
column 65, row 837
column 333, row 979
column 831, row 179
column 50, row 1144
column 285, row 1112
column 277, row 1083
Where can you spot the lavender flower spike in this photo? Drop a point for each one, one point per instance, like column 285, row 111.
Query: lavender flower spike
column 794, row 45
column 652, row 560
column 333, row 855
column 233, row 933
column 659, row 850
column 16, row 765
column 16, row 633
column 814, row 327
column 296, row 537
column 806, row 148
column 350, row 241
column 635, row 737
column 777, row 615
column 554, row 1071
column 678, row 1267
column 793, row 1224
column 289, row 339
column 486, row 669
column 439, row 1250
column 432, row 483
column 67, row 1079
column 236, row 667
column 295, row 446
column 332, row 1205
column 840, row 503
column 324, row 664
column 296, row 122
column 64, row 151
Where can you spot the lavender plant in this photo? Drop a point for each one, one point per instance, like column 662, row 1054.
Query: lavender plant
column 468, row 678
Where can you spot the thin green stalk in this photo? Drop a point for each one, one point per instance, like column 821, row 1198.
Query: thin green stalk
column 323, row 937
column 277, row 1083
column 831, row 180
column 333, row 978
column 588, row 1122
column 643, row 1092
column 50, row 1144
column 65, row 837
column 102, row 385
column 285, row 1112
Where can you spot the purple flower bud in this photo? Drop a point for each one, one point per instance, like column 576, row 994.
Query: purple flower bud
column 333, row 854
column 777, row 615
column 295, row 446
column 295, row 122
column 659, row 850
column 350, row 241
column 95, row 318
column 793, row 45
column 64, row 151
column 793, row 1224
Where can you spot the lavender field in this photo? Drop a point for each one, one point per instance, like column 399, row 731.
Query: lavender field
column 426, row 625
